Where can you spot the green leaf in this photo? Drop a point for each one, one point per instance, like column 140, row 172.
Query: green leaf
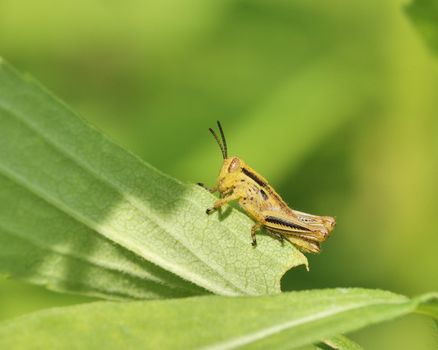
column 284, row 321
column 428, row 306
column 424, row 15
column 80, row 214
column 339, row 342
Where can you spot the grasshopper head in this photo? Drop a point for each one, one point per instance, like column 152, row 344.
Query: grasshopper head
column 229, row 173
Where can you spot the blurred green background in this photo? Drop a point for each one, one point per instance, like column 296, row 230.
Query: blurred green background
column 336, row 103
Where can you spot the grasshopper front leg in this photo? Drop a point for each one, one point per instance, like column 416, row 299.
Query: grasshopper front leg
column 211, row 190
column 223, row 201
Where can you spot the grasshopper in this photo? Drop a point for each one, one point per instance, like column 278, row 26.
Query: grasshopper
column 237, row 181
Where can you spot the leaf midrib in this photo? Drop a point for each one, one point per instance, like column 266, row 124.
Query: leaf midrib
column 280, row 327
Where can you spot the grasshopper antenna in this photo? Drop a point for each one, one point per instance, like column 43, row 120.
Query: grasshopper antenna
column 224, row 142
column 219, row 143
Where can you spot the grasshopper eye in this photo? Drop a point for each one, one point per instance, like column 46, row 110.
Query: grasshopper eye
column 234, row 165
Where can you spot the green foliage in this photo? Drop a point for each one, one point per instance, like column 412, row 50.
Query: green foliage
column 80, row 214
column 285, row 321
column 424, row 14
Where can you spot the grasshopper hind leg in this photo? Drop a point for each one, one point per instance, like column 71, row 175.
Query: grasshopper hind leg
column 273, row 234
column 276, row 235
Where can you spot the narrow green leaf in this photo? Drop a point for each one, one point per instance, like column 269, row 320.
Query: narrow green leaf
column 428, row 306
column 284, row 321
column 339, row 342
column 79, row 213
column 424, row 15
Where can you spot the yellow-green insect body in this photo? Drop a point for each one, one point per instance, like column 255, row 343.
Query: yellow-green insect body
column 238, row 181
